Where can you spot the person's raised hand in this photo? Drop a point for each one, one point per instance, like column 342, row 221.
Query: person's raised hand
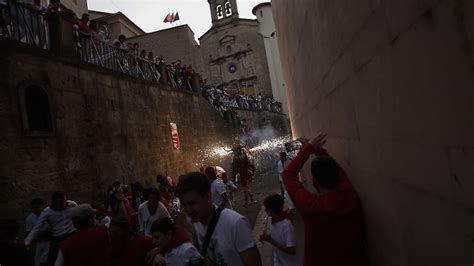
column 318, row 141
column 303, row 140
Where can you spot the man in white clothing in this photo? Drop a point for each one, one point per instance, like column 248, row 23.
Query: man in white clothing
column 150, row 211
column 218, row 188
column 231, row 242
column 41, row 248
column 57, row 217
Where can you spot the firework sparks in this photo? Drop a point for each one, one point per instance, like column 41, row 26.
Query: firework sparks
column 216, row 151
column 271, row 144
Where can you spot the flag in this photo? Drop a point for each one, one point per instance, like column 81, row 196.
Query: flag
column 167, row 18
column 176, row 17
column 172, row 18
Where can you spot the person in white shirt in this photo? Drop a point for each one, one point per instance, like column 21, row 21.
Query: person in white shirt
column 280, row 233
column 282, row 163
column 231, row 242
column 173, row 244
column 218, row 188
column 231, row 188
column 41, row 248
column 57, row 217
column 150, row 211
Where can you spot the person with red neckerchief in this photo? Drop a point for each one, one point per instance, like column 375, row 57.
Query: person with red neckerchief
column 333, row 218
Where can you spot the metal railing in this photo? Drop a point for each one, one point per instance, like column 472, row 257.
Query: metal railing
column 24, row 23
column 100, row 53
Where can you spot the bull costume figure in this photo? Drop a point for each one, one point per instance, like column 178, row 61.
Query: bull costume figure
column 243, row 167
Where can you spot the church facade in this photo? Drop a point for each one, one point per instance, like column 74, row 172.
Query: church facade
column 232, row 51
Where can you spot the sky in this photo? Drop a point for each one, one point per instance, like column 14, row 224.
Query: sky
column 149, row 14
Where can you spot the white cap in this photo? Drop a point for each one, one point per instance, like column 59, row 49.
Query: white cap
column 219, row 171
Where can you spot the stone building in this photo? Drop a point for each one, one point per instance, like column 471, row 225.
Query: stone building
column 117, row 23
column 177, row 43
column 266, row 29
column 233, row 52
column 392, row 83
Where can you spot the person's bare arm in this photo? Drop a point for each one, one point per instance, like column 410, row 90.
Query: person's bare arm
column 251, row 257
column 280, row 246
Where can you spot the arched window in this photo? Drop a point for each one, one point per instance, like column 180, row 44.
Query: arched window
column 36, row 108
column 219, row 13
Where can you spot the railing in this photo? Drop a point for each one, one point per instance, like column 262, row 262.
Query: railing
column 24, row 23
column 96, row 52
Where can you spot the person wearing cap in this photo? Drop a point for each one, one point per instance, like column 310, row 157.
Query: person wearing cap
column 88, row 245
column 127, row 248
column 218, row 188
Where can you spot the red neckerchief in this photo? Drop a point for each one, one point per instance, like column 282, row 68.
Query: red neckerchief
column 281, row 217
column 179, row 238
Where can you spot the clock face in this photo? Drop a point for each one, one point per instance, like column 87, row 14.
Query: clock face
column 232, row 68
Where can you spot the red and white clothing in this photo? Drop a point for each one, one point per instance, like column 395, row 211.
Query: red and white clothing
column 333, row 222
column 60, row 222
column 181, row 251
column 147, row 215
column 283, row 232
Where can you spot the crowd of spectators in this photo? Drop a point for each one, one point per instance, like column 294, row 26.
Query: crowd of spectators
column 224, row 99
column 27, row 21
column 136, row 61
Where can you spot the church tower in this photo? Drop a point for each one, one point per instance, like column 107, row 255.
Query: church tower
column 223, row 11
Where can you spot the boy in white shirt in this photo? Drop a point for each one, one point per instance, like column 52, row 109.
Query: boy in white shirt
column 172, row 244
column 281, row 232
column 150, row 211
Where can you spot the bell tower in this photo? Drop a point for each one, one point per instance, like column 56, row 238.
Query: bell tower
column 223, row 11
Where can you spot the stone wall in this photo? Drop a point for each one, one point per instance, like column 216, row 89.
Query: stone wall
column 391, row 82
column 107, row 127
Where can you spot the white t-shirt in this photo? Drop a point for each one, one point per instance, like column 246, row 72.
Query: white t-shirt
column 283, row 232
column 218, row 188
column 146, row 220
column 184, row 254
column 60, row 222
column 231, row 236
column 42, row 247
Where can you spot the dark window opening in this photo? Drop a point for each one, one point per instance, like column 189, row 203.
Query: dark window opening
column 261, row 13
column 37, row 109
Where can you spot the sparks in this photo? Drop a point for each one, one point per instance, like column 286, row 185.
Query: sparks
column 271, row 144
